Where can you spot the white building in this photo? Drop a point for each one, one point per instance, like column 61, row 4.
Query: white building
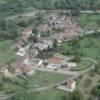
column 57, row 62
column 44, row 43
column 69, row 86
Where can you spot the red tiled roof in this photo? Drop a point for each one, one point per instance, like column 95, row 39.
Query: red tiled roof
column 55, row 60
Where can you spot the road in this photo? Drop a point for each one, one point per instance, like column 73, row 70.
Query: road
column 67, row 72
column 34, row 12
column 28, row 14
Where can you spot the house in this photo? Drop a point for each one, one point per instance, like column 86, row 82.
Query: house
column 36, row 62
column 22, row 41
column 41, row 46
column 33, row 52
column 57, row 62
column 21, row 66
column 26, row 34
column 17, row 44
column 69, row 85
column 19, row 63
column 28, row 70
column 46, row 41
column 27, row 31
column 6, row 72
column 65, row 36
column 43, row 28
column 71, row 29
column 21, row 52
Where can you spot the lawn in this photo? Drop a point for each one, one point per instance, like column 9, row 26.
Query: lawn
column 5, row 55
column 89, row 21
column 45, row 78
column 90, row 47
column 51, row 94
column 82, row 65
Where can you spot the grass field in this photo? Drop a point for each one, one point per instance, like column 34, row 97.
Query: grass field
column 51, row 94
column 90, row 46
column 89, row 21
column 5, row 55
column 40, row 79
column 46, row 78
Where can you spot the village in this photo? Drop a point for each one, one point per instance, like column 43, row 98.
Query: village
column 32, row 49
column 49, row 49
column 60, row 28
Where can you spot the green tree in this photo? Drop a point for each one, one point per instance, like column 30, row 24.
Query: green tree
column 55, row 44
column 77, row 59
column 76, row 95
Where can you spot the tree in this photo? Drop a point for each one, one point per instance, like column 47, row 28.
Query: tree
column 34, row 38
column 66, row 97
column 22, row 95
column 23, row 23
column 55, row 44
column 97, row 67
column 91, row 98
column 96, row 91
column 34, row 30
column 77, row 59
column 75, row 11
column 76, row 95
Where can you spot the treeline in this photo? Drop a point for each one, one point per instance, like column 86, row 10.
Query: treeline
column 12, row 29
column 8, row 30
column 18, row 6
column 67, row 4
